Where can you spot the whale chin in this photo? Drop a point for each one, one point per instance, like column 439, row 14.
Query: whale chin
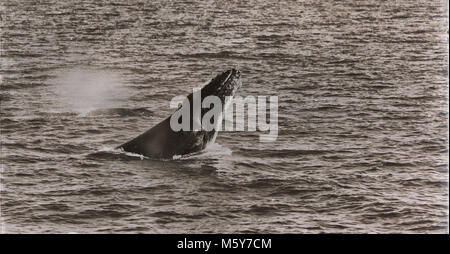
column 161, row 141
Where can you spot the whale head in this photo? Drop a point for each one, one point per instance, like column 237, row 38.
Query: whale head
column 223, row 85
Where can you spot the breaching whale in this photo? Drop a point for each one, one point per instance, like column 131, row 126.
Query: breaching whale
column 162, row 141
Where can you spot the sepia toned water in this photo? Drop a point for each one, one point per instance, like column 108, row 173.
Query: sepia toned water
column 363, row 116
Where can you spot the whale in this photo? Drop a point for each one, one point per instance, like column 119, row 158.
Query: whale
column 162, row 141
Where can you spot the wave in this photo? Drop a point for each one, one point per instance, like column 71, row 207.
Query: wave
column 284, row 152
column 122, row 112
column 219, row 55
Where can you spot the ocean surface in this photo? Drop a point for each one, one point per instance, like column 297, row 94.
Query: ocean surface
column 363, row 116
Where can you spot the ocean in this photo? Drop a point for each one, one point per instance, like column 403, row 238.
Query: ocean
column 362, row 90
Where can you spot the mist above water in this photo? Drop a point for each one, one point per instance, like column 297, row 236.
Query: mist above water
column 83, row 90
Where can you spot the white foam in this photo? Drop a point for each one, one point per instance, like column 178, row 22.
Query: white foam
column 212, row 151
column 121, row 151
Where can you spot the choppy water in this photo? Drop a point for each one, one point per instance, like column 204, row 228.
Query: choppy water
column 363, row 116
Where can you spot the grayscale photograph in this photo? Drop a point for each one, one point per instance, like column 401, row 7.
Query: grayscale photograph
column 224, row 117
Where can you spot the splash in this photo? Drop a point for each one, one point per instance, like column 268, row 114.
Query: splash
column 212, row 151
column 112, row 150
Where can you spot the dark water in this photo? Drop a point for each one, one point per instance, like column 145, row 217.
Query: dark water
column 363, row 116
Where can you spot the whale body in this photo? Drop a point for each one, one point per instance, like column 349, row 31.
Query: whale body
column 162, row 141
